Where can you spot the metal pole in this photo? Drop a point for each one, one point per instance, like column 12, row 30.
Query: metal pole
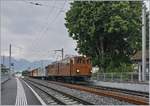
column 3, row 60
column 42, row 67
column 143, row 42
column 139, row 68
column 9, row 59
column 149, row 37
column 62, row 53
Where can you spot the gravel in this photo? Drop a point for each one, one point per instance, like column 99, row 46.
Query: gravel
column 92, row 98
column 46, row 98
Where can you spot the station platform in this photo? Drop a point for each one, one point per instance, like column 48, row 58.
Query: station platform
column 127, row 86
column 4, row 78
column 15, row 91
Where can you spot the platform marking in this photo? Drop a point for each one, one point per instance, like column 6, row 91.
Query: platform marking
column 21, row 97
column 37, row 96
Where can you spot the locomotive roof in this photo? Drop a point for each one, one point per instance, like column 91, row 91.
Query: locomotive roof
column 55, row 62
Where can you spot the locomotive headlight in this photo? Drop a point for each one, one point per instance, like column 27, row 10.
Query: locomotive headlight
column 91, row 71
column 78, row 70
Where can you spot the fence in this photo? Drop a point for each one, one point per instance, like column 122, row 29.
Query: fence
column 118, row 77
column 4, row 77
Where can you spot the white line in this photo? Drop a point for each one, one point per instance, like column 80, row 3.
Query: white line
column 21, row 97
column 37, row 96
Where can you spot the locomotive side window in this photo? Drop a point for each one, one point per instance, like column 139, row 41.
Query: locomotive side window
column 68, row 61
column 72, row 61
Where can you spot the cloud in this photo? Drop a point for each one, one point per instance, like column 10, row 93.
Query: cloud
column 37, row 30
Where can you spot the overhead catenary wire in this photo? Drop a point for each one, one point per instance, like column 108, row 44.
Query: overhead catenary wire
column 50, row 12
column 39, row 4
column 45, row 28
column 49, row 23
column 54, row 19
column 53, row 7
column 45, row 25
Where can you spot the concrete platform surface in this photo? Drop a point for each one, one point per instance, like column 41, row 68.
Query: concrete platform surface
column 16, row 92
column 127, row 86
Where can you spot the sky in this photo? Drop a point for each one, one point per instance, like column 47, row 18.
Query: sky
column 35, row 31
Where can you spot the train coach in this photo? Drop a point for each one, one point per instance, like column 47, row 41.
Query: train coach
column 77, row 68
column 38, row 73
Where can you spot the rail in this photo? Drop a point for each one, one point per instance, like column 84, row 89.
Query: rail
column 60, row 95
column 117, row 95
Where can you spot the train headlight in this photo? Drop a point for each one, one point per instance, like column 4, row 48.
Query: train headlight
column 91, row 71
column 77, row 70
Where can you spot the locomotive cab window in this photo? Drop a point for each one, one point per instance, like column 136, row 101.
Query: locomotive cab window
column 83, row 61
column 78, row 61
column 88, row 61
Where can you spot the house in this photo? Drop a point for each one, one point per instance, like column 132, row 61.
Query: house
column 137, row 61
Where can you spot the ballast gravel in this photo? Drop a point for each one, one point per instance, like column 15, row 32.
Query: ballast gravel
column 92, row 98
column 46, row 98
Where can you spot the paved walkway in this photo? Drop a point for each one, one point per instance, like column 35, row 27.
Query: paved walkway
column 16, row 92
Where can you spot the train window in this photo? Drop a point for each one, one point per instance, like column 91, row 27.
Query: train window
column 88, row 61
column 79, row 61
column 72, row 61
column 68, row 61
column 83, row 61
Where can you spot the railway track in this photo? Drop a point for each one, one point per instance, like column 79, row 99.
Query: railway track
column 57, row 97
column 117, row 94
column 125, row 91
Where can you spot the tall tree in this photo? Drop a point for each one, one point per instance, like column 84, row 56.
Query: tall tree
column 109, row 32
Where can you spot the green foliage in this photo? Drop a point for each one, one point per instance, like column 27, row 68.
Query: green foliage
column 109, row 32
column 124, row 67
column 147, row 29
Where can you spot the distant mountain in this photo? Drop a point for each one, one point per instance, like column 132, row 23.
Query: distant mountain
column 22, row 64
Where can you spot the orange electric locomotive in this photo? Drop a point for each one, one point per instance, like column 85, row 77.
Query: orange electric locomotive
column 76, row 68
column 73, row 68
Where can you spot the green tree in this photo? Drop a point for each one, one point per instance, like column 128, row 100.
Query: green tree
column 147, row 29
column 109, row 32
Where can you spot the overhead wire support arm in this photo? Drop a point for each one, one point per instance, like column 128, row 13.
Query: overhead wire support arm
column 39, row 4
column 62, row 52
column 36, row 3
